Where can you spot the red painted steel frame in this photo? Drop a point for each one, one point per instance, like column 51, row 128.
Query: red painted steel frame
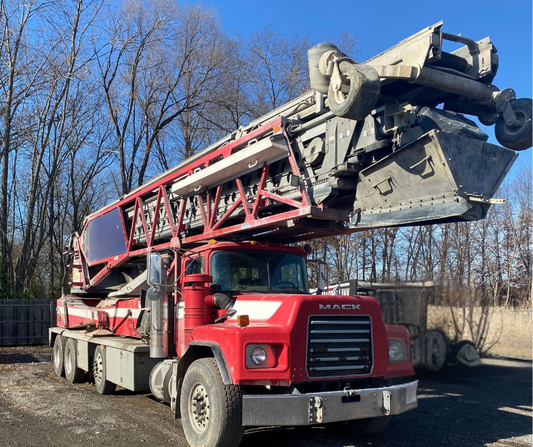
column 224, row 151
column 213, row 226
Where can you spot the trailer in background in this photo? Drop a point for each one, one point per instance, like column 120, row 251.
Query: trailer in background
column 406, row 304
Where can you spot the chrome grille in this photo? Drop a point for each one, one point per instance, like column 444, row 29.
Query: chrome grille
column 339, row 346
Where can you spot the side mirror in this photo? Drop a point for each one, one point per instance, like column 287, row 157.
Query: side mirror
column 321, row 277
column 154, row 267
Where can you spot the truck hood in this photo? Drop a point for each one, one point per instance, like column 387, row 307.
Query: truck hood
column 284, row 321
column 281, row 308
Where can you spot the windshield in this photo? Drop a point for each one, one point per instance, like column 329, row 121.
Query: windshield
column 258, row 270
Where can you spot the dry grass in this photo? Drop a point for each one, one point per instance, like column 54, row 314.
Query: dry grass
column 509, row 335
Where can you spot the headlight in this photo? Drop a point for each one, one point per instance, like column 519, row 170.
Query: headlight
column 397, row 351
column 258, row 356
column 261, row 356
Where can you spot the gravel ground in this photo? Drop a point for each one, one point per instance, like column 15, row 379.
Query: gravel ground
column 486, row 406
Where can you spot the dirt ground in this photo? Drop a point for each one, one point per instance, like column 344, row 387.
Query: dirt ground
column 485, row 406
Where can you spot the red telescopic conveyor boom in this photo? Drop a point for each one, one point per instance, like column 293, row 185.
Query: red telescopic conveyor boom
column 366, row 148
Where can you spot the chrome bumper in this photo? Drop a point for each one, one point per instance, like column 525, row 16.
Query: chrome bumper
column 317, row 408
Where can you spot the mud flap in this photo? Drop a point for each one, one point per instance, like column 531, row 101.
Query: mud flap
column 438, row 178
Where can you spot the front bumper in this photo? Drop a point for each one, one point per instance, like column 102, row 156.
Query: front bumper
column 317, row 408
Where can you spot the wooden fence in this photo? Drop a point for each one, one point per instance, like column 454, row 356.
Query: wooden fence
column 26, row 322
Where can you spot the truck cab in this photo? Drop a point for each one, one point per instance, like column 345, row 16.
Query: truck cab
column 233, row 326
column 245, row 292
column 297, row 358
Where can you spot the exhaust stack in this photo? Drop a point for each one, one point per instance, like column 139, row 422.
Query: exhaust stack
column 158, row 298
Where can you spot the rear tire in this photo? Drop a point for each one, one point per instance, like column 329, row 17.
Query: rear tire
column 319, row 82
column 58, row 356
column 103, row 386
column 72, row 372
column 211, row 412
column 465, row 354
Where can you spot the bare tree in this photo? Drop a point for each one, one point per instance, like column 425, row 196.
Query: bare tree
column 277, row 69
column 17, row 80
column 159, row 63
column 62, row 65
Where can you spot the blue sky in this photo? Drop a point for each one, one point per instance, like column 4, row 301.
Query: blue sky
column 380, row 25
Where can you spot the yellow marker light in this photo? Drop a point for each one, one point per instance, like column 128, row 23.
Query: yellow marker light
column 253, row 242
column 212, row 241
column 276, row 129
column 243, row 320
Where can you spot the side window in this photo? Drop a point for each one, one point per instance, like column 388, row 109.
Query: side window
column 196, row 265
column 103, row 236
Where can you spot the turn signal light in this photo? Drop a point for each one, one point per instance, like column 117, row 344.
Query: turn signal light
column 243, row 320
column 212, row 241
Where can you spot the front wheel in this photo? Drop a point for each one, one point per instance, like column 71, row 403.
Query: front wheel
column 436, row 350
column 363, row 86
column 211, row 412
column 518, row 136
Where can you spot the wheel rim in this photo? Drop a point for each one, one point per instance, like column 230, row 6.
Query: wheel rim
column 341, row 96
column 57, row 356
column 199, row 408
column 68, row 361
column 98, row 368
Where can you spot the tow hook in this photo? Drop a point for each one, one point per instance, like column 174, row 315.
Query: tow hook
column 386, row 402
column 315, row 409
column 349, row 392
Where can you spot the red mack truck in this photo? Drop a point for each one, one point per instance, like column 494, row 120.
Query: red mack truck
column 193, row 285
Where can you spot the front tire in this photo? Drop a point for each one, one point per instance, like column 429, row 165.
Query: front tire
column 518, row 136
column 436, row 350
column 211, row 412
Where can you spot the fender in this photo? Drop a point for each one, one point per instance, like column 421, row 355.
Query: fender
column 403, row 369
column 193, row 354
column 53, row 333
column 198, row 350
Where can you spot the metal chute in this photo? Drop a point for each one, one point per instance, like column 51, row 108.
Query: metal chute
column 438, row 178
